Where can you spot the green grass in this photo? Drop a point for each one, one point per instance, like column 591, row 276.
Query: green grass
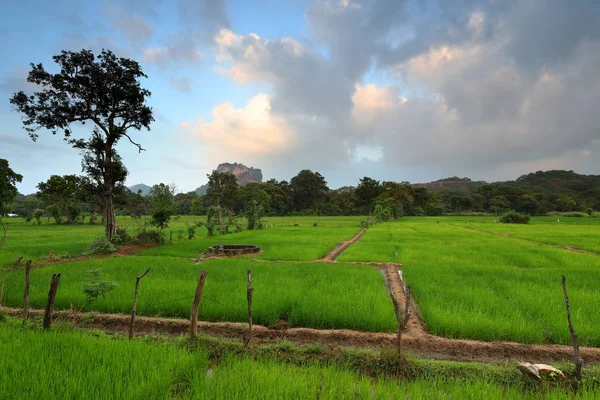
column 75, row 365
column 479, row 286
column 51, row 365
column 316, row 295
column 281, row 240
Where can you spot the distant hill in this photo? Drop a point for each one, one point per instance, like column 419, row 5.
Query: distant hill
column 454, row 183
column 144, row 188
column 243, row 174
column 554, row 180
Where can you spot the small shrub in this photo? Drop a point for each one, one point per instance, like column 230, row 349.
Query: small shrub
column 149, row 236
column 513, row 217
column 94, row 286
column 121, row 237
column 101, row 246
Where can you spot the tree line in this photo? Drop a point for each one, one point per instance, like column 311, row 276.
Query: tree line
column 66, row 199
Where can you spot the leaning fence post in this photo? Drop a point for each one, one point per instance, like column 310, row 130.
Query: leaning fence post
column 26, row 293
column 250, row 289
column 50, row 302
column 576, row 357
column 196, row 304
column 135, row 296
column 400, row 323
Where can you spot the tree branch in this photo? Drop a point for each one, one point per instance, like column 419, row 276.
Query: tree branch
column 137, row 144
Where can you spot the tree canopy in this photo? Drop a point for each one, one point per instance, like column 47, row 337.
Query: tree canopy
column 100, row 89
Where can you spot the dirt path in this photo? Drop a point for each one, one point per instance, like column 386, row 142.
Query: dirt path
column 417, row 343
column 415, row 326
column 121, row 252
column 335, row 253
column 557, row 246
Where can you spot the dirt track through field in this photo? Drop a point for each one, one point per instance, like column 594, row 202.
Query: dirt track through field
column 339, row 249
column 557, row 246
column 421, row 344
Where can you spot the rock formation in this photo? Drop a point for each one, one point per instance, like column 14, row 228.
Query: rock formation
column 243, row 174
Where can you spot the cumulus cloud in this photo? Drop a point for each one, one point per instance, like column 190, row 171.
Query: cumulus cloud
column 250, row 132
column 472, row 86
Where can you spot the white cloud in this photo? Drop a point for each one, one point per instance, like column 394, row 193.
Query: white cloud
column 250, row 132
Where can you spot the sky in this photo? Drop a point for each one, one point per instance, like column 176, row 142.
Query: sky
column 392, row 89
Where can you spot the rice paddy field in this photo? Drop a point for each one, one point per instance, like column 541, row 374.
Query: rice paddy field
column 314, row 295
column 77, row 365
column 285, row 238
column 471, row 278
column 475, row 285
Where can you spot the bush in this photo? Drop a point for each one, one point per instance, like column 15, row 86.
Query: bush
column 121, row 236
column 513, row 217
column 101, row 246
column 146, row 236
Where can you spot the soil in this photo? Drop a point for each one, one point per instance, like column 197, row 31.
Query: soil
column 121, row 251
column 335, row 253
column 416, row 343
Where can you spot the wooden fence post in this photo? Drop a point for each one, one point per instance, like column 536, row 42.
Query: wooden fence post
column 407, row 310
column 135, row 296
column 50, row 302
column 196, row 304
column 250, row 289
column 26, row 293
column 576, row 357
column 2, row 291
column 399, row 319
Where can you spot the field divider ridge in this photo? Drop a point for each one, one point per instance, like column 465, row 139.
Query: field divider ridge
column 341, row 247
column 426, row 345
column 507, row 236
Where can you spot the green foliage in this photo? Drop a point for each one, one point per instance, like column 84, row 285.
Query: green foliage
column 528, row 205
column 222, row 189
column 94, row 286
column 146, row 236
column 37, row 215
column 513, row 217
column 54, row 212
column 101, row 246
column 160, row 219
column 63, row 192
column 254, row 213
column 122, row 236
column 589, row 212
column 8, row 188
column 383, row 210
column 309, row 189
column 191, row 229
column 197, row 206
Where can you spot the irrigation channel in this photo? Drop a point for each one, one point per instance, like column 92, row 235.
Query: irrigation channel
column 416, row 339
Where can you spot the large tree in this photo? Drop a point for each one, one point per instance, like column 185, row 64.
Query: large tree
column 63, row 191
column 222, row 189
column 103, row 90
column 309, row 188
column 8, row 191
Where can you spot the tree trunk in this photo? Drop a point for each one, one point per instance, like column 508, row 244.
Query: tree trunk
column 108, row 214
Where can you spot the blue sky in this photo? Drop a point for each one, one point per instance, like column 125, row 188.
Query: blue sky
column 397, row 90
